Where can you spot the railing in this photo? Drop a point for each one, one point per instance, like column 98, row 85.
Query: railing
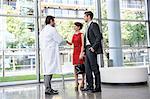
column 14, row 62
column 22, row 61
column 140, row 6
column 132, row 56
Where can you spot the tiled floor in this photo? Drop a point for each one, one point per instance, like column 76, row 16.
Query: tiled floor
column 36, row 91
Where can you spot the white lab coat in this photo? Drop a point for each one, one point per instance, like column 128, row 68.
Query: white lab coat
column 49, row 45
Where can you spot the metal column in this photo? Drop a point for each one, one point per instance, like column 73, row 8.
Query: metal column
column 98, row 10
column 37, row 40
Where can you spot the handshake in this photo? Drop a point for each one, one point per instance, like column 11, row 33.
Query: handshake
column 65, row 37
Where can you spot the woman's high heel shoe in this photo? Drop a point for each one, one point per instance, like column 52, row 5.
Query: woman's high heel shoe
column 76, row 88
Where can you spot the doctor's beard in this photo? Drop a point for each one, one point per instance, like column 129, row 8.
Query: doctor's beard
column 53, row 25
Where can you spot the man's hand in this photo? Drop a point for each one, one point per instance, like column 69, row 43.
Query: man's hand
column 91, row 49
column 66, row 36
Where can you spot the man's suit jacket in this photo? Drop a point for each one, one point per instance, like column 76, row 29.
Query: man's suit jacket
column 95, row 37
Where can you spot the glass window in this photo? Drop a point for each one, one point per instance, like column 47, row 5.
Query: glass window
column 58, row 12
column 88, row 2
column 134, row 34
column 72, row 2
column 103, row 9
column 134, row 42
column 135, row 3
column 65, row 26
column 10, row 3
column 20, row 62
column 58, row 1
column 17, row 40
column 79, row 2
column 81, row 14
column 19, row 7
column 135, row 57
column 65, row 13
column 133, row 10
column 1, row 63
column 65, row 1
column 50, row 12
column 72, row 13
column 18, row 32
column 17, row 36
column 62, row 10
column 132, row 14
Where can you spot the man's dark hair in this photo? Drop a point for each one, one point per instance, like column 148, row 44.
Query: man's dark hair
column 89, row 13
column 79, row 24
column 48, row 18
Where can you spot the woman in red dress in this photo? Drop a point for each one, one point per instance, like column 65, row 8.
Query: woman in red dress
column 77, row 41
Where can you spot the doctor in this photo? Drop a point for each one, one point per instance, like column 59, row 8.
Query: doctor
column 49, row 44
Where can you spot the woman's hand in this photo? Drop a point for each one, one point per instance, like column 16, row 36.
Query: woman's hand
column 82, row 55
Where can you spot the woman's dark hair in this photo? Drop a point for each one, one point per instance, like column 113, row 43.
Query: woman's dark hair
column 79, row 25
column 89, row 13
column 48, row 18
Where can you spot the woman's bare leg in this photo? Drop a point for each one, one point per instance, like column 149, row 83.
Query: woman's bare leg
column 76, row 79
column 82, row 82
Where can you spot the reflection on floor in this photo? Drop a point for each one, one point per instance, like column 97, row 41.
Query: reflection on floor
column 36, row 91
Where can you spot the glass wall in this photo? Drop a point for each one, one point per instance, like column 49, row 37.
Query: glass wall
column 67, row 8
column 18, row 7
column 17, row 40
column 1, row 63
column 66, row 12
column 134, row 31
column 19, row 33
column 21, row 20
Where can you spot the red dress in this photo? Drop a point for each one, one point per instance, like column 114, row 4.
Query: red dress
column 77, row 42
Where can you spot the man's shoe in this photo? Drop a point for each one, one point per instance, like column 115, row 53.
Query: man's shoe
column 90, row 91
column 97, row 90
column 87, row 89
column 52, row 92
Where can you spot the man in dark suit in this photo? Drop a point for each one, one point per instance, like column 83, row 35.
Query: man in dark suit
column 92, row 47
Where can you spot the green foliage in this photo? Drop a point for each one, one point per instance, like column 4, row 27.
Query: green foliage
column 19, row 29
column 29, row 77
column 65, row 27
column 104, row 24
column 134, row 33
column 137, row 33
column 12, row 44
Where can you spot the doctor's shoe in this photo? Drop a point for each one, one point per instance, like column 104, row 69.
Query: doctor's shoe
column 52, row 92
